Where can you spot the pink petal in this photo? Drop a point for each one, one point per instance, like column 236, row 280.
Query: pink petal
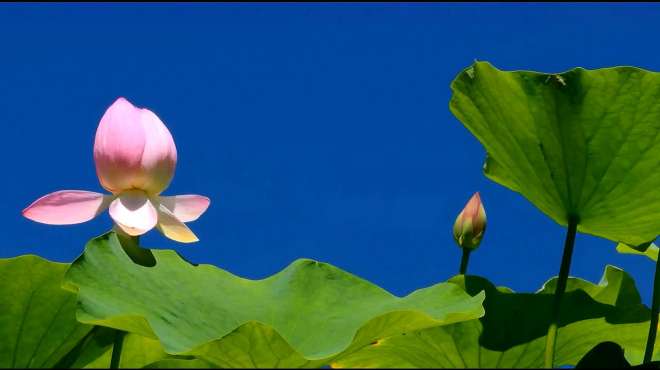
column 133, row 212
column 186, row 208
column 159, row 155
column 118, row 146
column 133, row 150
column 173, row 228
column 66, row 207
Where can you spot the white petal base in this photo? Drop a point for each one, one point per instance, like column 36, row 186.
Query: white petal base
column 133, row 212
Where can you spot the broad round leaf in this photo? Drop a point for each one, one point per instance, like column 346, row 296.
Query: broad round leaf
column 38, row 327
column 96, row 351
column 512, row 334
column 302, row 316
column 650, row 250
column 606, row 355
column 580, row 144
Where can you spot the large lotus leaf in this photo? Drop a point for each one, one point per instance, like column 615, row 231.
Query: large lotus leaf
column 648, row 250
column 38, row 326
column 512, row 333
column 304, row 315
column 177, row 363
column 579, row 144
column 606, row 355
column 90, row 349
column 95, row 351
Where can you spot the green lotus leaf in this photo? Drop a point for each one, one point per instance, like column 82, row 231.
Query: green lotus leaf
column 305, row 315
column 39, row 327
column 95, row 352
column 606, row 355
column 177, row 363
column 137, row 351
column 579, row 144
column 648, row 250
column 512, row 333
column 90, row 349
column 37, row 321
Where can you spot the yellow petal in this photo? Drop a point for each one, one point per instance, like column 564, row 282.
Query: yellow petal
column 172, row 228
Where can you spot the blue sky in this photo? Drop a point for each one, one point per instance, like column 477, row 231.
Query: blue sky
column 319, row 131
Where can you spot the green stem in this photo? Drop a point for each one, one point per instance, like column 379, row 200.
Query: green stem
column 464, row 261
column 551, row 338
column 127, row 241
column 655, row 306
column 116, row 349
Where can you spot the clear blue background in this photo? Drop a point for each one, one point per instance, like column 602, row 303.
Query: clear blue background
column 318, row 131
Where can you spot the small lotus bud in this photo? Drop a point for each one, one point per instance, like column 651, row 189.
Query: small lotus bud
column 470, row 224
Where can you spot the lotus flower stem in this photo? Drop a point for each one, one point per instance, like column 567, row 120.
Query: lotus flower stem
column 128, row 241
column 655, row 306
column 464, row 261
column 551, row 338
column 116, row 349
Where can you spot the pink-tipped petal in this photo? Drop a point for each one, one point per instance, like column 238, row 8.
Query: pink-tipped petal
column 133, row 212
column 66, row 207
column 133, row 150
column 173, row 228
column 118, row 146
column 186, row 208
column 159, row 156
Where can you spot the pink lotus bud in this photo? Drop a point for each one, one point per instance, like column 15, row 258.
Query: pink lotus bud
column 470, row 224
column 133, row 150
column 135, row 158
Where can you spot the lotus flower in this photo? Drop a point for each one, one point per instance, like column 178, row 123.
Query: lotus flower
column 470, row 224
column 135, row 158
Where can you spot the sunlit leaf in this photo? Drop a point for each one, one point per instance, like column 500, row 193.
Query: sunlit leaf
column 95, row 352
column 512, row 334
column 649, row 250
column 38, row 327
column 177, row 363
column 581, row 144
column 303, row 316
column 136, row 351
